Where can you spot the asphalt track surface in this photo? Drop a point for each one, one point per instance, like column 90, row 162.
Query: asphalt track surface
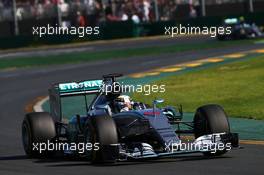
column 104, row 46
column 20, row 87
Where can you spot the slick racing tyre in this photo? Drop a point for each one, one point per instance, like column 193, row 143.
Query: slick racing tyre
column 37, row 127
column 210, row 119
column 101, row 131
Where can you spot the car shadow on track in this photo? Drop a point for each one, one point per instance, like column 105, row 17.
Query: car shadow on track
column 15, row 157
column 71, row 161
column 62, row 162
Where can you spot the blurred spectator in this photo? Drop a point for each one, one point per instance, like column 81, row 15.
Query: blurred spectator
column 64, row 8
column 7, row 3
column 49, row 9
column 39, row 11
column 172, row 10
column 66, row 24
column 124, row 14
column 93, row 8
column 20, row 12
column 1, row 10
column 135, row 18
column 146, row 7
column 80, row 20
column 47, row 2
column 193, row 13
column 7, row 12
column 109, row 14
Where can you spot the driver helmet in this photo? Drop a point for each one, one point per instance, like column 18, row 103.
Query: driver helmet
column 125, row 103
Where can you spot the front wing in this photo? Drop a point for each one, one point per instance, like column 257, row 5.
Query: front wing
column 206, row 143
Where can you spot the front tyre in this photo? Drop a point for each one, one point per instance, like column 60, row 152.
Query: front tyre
column 101, row 131
column 210, row 119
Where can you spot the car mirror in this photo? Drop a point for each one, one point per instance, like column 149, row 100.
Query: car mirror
column 158, row 101
column 102, row 107
column 106, row 108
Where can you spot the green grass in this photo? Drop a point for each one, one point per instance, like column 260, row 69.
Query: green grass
column 111, row 54
column 237, row 86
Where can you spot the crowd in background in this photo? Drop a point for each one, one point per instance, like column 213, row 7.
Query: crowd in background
column 94, row 11
column 91, row 12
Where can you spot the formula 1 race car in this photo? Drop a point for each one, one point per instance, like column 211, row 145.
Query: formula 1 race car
column 239, row 29
column 109, row 134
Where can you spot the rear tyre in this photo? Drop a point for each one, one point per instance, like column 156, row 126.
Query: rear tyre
column 210, row 119
column 37, row 127
column 101, row 131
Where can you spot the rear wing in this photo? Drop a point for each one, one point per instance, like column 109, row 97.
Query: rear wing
column 74, row 88
column 57, row 91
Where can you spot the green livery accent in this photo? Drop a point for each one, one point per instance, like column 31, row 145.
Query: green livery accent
column 92, row 85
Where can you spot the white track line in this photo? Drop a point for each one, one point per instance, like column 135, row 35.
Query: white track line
column 38, row 106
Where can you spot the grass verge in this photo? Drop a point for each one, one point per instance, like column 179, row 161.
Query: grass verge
column 111, row 54
column 238, row 87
